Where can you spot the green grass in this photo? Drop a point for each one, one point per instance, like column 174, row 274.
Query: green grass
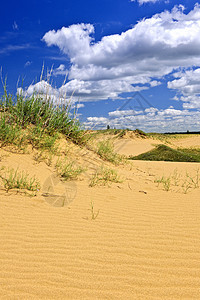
column 10, row 134
column 165, row 153
column 37, row 120
column 93, row 214
column 178, row 181
column 104, row 176
column 105, row 150
column 68, row 170
column 14, row 179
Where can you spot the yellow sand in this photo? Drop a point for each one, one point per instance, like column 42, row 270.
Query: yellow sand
column 144, row 244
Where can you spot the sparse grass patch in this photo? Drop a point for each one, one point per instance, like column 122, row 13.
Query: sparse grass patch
column 177, row 181
column 68, row 170
column 14, row 179
column 104, row 176
column 106, row 151
column 166, row 181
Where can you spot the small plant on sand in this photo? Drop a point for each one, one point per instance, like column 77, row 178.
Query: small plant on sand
column 165, row 181
column 14, row 179
column 93, row 214
column 106, row 152
column 68, row 170
column 186, row 186
column 104, row 176
column 194, row 181
column 176, row 177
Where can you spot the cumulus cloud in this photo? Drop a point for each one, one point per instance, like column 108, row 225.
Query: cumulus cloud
column 135, row 60
column 169, row 38
column 187, row 85
column 153, row 48
column 149, row 120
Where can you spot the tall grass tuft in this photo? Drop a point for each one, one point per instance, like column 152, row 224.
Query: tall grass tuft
column 14, row 179
column 22, row 112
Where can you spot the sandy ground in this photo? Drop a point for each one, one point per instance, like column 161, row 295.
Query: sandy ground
column 144, row 244
column 134, row 146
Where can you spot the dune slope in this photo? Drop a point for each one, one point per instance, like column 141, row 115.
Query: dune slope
column 144, row 243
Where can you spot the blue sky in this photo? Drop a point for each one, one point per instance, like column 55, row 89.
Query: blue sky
column 132, row 64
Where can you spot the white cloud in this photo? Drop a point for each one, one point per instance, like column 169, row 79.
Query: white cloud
column 80, row 105
column 153, row 48
column 154, row 83
column 97, row 90
column 61, row 70
column 187, row 86
column 151, row 120
column 15, row 26
column 145, row 1
column 133, row 61
column 164, row 37
column 123, row 113
column 45, row 91
column 11, row 48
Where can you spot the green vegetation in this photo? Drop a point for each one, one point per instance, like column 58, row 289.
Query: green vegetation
column 68, row 170
column 14, row 179
column 165, row 181
column 36, row 120
column 165, row 153
column 10, row 134
column 177, row 181
column 93, row 214
column 104, row 176
column 106, row 151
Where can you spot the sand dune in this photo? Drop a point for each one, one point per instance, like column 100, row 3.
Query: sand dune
column 144, row 244
column 134, row 147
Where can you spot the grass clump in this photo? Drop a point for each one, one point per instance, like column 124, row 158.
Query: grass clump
column 68, row 170
column 36, row 119
column 104, row 176
column 106, row 151
column 39, row 139
column 14, row 179
column 10, row 134
column 165, row 153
